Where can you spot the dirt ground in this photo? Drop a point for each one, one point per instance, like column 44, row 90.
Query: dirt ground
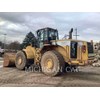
column 87, row 77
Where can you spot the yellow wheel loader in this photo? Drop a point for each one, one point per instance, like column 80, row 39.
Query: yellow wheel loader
column 53, row 55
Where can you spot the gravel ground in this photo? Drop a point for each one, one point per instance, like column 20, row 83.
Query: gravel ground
column 87, row 77
column 1, row 62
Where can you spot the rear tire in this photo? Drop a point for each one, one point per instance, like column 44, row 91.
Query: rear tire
column 52, row 63
column 21, row 60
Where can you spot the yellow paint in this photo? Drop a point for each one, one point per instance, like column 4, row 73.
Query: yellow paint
column 49, row 64
column 30, row 52
column 81, row 59
column 19, row 61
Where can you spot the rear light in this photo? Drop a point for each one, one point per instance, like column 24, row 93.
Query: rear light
column 83, row 48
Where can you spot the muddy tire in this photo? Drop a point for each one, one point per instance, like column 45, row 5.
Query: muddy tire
column 52, row 63
column 21, row 60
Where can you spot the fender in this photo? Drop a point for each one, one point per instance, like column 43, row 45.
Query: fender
column 63, row 50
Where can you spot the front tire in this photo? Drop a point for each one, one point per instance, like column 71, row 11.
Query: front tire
column 21, row 60
column 52, row 63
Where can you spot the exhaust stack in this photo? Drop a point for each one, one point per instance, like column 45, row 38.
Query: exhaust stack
column 70, row 33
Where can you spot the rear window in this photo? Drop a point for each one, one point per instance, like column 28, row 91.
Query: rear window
column 90, row 47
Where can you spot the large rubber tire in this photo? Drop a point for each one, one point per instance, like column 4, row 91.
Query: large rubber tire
column 23, row 63
column 58, row 63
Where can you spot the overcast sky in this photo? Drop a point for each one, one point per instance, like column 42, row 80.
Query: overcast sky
column 17, row 25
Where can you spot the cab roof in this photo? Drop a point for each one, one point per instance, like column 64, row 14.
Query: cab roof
column 47, row 28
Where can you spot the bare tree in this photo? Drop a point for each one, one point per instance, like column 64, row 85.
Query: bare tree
column 14, row 45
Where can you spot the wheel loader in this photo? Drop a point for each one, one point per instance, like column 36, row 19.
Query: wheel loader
column 52, row 54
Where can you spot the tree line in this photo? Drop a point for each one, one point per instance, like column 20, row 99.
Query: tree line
column 15, row 45
column 30, row 39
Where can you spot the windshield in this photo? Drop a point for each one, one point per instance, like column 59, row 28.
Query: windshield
column 53, row 34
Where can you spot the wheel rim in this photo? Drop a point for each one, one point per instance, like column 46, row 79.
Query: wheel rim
column 19, row 61
column 49, row 64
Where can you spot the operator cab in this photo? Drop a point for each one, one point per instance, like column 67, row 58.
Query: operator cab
column 45, row 36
